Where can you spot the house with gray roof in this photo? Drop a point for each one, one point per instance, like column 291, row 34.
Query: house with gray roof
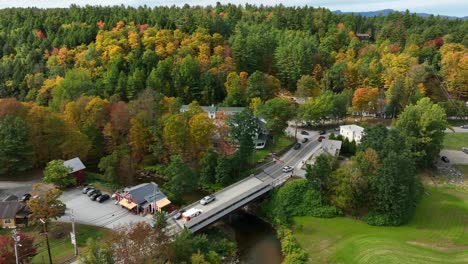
column 143, row 198
column 13, row 214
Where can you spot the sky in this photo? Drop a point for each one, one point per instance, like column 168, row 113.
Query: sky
column 438, row 7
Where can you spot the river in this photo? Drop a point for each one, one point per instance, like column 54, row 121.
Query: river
column 256, row 239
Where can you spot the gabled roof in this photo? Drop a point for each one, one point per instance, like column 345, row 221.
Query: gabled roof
column 145, row 192
column 9, row 209
column 354, row 128
column 75, row 164
column 331, row 146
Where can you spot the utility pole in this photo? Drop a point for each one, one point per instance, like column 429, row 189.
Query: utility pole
column 73, row 234
column 16, row 238
column 47, row 239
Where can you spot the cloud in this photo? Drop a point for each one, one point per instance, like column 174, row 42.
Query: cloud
column 446, row 7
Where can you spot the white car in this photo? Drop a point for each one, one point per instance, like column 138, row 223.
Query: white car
column 288, row 169
column 207, row 199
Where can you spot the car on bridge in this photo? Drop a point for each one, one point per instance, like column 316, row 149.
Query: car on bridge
column 287, row 169
column 207, row 199
column 191, row 213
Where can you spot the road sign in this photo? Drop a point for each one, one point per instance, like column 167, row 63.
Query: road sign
column 73, row 239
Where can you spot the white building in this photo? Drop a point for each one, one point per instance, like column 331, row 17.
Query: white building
column 214, row 112
column 352, row 132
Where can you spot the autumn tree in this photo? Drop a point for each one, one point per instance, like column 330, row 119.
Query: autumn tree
column 366, row 99
column 26, row 251
column 235, row 93
column 139, row 139
column 45, row 203
column 96, row 253
column 139, row 243
column 201, row 131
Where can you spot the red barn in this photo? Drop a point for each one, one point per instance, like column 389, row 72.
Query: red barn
column 77, row 169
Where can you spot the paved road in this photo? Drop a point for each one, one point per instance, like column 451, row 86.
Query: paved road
column 457, row 130
column 17, row 188
column 455, row 156
column 243, row 187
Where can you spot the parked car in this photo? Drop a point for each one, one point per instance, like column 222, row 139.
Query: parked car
column 207, row 199
column 87, row 189
column 322, row 132
column 287, row 169
column 95, row 195
column 102, row 198
column 464, row 126
column 92, row 191
column 25, row 197
column 178, row 214
column 304, row 140
column 297, row 146
column 445, row 159
column 465, row 150
column 305, row 133
column 320, row 138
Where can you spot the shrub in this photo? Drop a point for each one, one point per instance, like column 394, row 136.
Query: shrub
column 296, row 198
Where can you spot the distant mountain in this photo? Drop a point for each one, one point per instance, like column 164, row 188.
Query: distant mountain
column 385, row 12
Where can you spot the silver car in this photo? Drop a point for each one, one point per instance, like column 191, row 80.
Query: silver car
column 207, row 199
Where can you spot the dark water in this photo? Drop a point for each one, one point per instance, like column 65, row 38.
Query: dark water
column 256, row 240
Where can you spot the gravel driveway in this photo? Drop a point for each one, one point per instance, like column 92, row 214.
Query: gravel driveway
column 105, row 214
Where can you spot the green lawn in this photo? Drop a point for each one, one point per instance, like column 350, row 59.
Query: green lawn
column 438, row 233
column 455, row 140
column 61, row 248
column 281, row 142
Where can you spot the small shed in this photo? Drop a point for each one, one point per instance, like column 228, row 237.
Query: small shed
column 77, row 169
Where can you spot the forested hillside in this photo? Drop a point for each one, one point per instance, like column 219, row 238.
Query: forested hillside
column 106, row 83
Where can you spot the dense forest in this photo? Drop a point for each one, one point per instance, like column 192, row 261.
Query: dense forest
column 106, row 83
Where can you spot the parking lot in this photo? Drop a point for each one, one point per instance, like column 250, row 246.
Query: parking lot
column 105, row 214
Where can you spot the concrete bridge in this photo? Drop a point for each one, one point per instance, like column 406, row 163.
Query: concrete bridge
column 245, row 191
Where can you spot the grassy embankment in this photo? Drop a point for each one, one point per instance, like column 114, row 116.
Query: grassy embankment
column 456, row 141
column 59, row 239
column 438, row 233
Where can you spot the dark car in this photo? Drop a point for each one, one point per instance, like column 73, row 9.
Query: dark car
column 320, row 138
column 304, row 140
column 95, row 195
column 87, row 189
column 464, row 126
column 297, row 146
column 178, row 214
column 322, row 132
column 102, row 198
column 25, row 197
column 445, row 159
column 92, row 191
column 303, row 132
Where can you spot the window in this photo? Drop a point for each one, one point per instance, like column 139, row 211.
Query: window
column 7, row 221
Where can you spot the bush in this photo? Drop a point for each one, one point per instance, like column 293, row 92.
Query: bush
column 294, row 254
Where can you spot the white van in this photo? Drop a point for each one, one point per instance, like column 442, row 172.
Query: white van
column 191, row 213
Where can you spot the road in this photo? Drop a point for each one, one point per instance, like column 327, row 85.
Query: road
column 269, row 175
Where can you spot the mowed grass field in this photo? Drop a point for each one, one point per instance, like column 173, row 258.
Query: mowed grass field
column 438, row 233
column 455, row 140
